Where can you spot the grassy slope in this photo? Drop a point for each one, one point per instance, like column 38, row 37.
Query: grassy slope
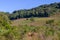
column 43, row 31
column 37, row 21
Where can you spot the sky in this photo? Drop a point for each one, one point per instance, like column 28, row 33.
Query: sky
column 11, row 5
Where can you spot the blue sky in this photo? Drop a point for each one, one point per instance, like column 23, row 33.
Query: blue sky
column 11, row 5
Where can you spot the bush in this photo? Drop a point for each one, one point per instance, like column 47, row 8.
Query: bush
column 32, row 19
column 49, row 21
column 27, row 19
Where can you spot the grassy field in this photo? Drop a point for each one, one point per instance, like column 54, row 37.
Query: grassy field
column 47, row 28
column 36, row 22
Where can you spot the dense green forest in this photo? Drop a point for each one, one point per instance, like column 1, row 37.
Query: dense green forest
column 31, row 24
column 40, row 11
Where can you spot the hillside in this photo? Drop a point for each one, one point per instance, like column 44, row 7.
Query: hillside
column 46, row 10
column 46, row 28
column 39, row 23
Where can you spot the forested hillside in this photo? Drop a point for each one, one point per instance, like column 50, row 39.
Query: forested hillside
column 40, row 11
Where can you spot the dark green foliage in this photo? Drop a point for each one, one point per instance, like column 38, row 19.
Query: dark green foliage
column 40, row 11
column 27, row 19
column 49, row 21
column 32, row 19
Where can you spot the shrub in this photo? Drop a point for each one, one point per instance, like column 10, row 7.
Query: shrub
column 49, row 21
column 32, row 19
column 27, row 19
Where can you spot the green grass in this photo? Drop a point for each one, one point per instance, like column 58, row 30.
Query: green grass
column 44, row 31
